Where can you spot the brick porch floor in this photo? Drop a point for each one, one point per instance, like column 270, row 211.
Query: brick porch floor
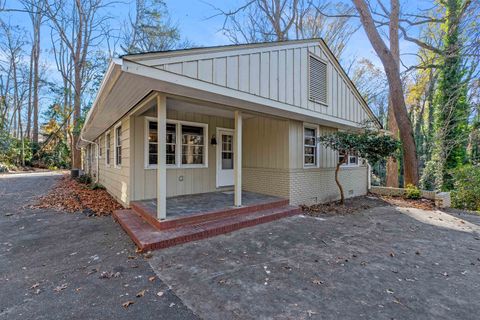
column 199, row 216
column 204, row 202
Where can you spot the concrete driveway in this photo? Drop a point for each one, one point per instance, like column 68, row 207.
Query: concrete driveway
column 51, row 263
column 383, row 263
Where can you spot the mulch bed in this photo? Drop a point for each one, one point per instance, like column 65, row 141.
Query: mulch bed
column 357, row 204
column 71, row 196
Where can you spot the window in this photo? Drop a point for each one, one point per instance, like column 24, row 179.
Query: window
column 352, row 160
column 171, row 143
column 310, row 146
column 107, row 149
column 318, row 80
column 185, row 144
column 99, row 147
column 118, row 146
column 193, row 144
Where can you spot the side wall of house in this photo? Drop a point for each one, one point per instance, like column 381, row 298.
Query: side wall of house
column 180, row 181
column 266, row 156
column 116, row 179
column 310, row 185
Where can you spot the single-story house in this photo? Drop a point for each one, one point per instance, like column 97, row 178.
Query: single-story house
column 224, row 119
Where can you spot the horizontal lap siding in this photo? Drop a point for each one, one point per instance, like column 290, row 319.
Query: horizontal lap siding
column 116, row 180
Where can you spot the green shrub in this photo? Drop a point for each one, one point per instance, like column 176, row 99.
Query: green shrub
column 466, row 193
column 97, row 186
column 85, row 179
column 412, row 192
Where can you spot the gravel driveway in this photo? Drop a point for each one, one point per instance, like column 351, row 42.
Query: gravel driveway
column 57, row 265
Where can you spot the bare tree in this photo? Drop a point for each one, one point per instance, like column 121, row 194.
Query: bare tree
column 78, row 27
column 279, row 20
column 35, row 12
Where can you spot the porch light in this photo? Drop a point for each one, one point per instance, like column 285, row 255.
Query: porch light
column 213, row 141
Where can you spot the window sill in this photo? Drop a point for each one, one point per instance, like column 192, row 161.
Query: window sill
column 314, row 166
column 192, row 166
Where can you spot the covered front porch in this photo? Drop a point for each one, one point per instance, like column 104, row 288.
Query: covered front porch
column 199, row 166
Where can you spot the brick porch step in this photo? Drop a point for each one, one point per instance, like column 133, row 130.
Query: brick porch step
column 150, row 216
column 148, row 237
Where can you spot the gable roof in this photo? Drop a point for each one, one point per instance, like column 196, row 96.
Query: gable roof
column 269, row 77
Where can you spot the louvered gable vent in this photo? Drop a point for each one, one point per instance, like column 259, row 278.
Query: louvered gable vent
column 318, row 80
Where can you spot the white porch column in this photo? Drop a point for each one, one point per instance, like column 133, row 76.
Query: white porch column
column 237, row 159
column 161, row 157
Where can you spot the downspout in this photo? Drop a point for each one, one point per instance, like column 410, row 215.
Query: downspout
column 97, row 157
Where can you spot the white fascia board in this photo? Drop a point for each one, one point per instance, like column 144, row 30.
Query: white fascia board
column 111, row 66
column 277, row 108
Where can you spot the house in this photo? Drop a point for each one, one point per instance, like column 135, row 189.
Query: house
column 228, row 118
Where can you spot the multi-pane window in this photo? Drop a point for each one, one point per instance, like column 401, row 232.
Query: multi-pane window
column 107, row 149
column 171, row 144
column 100, row 147
column 193, row 144
column 118, row 146
column 351, row 161
column 185, row 144
column 227, row 151
column 310, row 146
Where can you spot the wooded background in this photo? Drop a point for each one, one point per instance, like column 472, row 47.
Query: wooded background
column 431, row 105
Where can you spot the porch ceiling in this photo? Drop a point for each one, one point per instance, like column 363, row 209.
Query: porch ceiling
column 127, row 83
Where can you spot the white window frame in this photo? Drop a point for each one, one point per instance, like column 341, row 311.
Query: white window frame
column 178, row 144
column 317, row 149
column 118, row 166
column 108, row 137
column 314, row 56
column 348, row 164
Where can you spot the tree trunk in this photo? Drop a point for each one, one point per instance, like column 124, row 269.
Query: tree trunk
column 396, row 92
column 337, row 180
column 392, row 164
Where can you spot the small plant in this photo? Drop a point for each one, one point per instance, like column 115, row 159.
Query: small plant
column 97, row 186
column 85, row 179
column 412, row 192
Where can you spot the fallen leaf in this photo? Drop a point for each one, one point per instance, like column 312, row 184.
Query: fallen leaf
column 152, row 278
column 60, row 288
column 126, row 304
column 160, row 293
column 389, row 291
column 141, row 293
column 36, row 285
column 317, row 281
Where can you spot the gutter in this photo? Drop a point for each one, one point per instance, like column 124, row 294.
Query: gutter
column 97, row 157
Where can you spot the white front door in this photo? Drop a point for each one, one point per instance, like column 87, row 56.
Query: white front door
column 224, row 157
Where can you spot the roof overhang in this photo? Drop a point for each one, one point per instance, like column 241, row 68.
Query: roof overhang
column 127, row 82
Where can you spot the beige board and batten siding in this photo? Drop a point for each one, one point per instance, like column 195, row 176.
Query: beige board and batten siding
column 180, row 181
column 265, row 156
column 279, row 73
column 116, row 180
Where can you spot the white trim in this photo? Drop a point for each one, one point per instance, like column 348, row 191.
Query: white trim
column 107, row 142
column 218, row 152
column 115, row 165
column 327, row 65
column 317, row 149
column 178, row 149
